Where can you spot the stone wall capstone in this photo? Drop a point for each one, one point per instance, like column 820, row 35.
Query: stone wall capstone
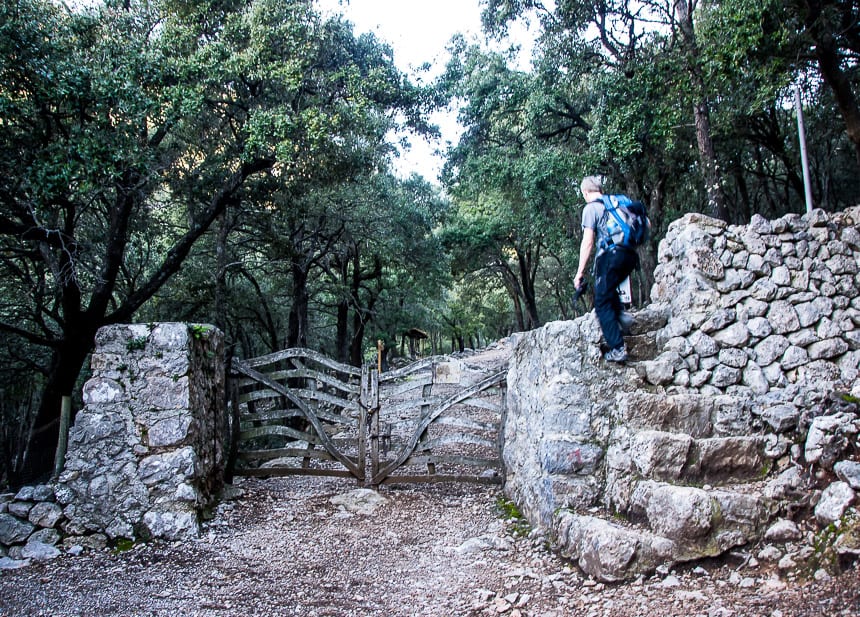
column 742, row 391
column 145, row 455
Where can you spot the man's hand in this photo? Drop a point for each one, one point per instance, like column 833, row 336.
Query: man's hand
column 585, row 248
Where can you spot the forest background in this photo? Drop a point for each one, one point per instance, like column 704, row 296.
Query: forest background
column 230, row 162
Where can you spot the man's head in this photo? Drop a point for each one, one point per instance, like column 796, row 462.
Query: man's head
column 591, row 184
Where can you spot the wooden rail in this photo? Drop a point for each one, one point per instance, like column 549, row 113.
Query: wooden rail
column 299, row 412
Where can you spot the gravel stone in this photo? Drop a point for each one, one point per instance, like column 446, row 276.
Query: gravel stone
column 281, row 549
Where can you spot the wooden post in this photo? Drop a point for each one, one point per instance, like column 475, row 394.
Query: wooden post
column 63, row 440
column 235, row 428
column 372, row 403
column 363, row 411
column 426, row 391
column 380, row 348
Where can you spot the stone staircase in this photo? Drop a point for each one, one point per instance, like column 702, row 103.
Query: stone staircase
column 675, row 490
column 735, row 412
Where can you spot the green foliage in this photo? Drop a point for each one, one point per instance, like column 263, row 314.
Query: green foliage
column 510, row 513
column 122, row 545
column 612, row 90
column 129, row 130
column 199, row 332
column 228, row 162
column 137, row 343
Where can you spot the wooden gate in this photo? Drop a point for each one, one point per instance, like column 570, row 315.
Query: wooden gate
column 298, row 412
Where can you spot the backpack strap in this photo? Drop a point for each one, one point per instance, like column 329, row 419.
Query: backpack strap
column 612, row 203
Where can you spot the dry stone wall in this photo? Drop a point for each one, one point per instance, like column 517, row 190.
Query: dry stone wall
column 146, row 453
column 738, row 413
column 759, row 307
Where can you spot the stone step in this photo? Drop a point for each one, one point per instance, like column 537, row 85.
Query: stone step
column 678, row 458
column 641, row 340
column 702, row 522
column 698, row 415
column 607, row 550
column 665, row 524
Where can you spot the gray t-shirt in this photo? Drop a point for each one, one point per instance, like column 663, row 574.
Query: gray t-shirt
column 594, row 217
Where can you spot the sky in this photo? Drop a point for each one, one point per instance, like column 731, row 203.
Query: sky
column 418, row 32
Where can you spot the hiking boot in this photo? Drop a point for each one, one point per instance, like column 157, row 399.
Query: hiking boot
column 619, row 354
column 625, row 321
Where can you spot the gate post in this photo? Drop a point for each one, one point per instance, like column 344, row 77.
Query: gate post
column 369, row 409
column 426, row 391
column 147, row 452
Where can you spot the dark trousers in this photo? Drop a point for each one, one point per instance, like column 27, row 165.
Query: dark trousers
column 610, row 268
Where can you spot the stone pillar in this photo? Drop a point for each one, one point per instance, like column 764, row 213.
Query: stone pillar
column 146, row 454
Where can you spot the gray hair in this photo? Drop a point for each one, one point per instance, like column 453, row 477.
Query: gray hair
column 592, row 184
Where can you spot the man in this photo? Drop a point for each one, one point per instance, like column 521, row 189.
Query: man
column 612, row 264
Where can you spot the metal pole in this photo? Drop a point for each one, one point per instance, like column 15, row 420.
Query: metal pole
column 803, row 158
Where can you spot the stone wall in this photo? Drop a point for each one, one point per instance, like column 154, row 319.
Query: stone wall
column 146, row 454
column 738, row 409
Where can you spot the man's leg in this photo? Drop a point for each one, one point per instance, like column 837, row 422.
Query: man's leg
column 607, row 304
column 612, row 268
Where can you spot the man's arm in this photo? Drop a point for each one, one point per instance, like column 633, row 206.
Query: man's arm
column 585, row 249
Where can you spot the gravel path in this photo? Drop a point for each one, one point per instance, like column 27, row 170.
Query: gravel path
column 284, row 548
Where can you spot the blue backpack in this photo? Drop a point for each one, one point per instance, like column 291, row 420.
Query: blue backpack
column 627, row 224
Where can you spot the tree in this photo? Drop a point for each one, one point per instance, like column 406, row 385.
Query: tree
column 833, row 28
column 622, row 36
column 511, row 189
column 128, row 130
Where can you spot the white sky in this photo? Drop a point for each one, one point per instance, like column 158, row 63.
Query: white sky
column 418, row 32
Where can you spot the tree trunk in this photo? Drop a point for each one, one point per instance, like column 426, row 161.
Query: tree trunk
column 342, row 332
column 518, row 311
column 528, row 272
column 701, row 113
column 66, row 364
column 297, row 329
column 356, row 345
column 829, row 60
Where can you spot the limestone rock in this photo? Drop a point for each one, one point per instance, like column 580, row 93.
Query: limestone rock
column 835, row 500
column 146, row 452
column 849, row 472
column 720, row 459
column 7, row 563
column 363, row 501
column 781, row 418
column 45, row 514
column 13, row 530
column 828, row 437
column 609, row 552
column 782, row 317
column 660, row 455
column 21, row 509
column 674, row 511
column 45, row 536
column 783, row 531
column 770, row 349
column 656, row 372
column 38, row 551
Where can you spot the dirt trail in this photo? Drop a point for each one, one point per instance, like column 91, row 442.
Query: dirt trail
column 315, row 547
column 284, row 548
